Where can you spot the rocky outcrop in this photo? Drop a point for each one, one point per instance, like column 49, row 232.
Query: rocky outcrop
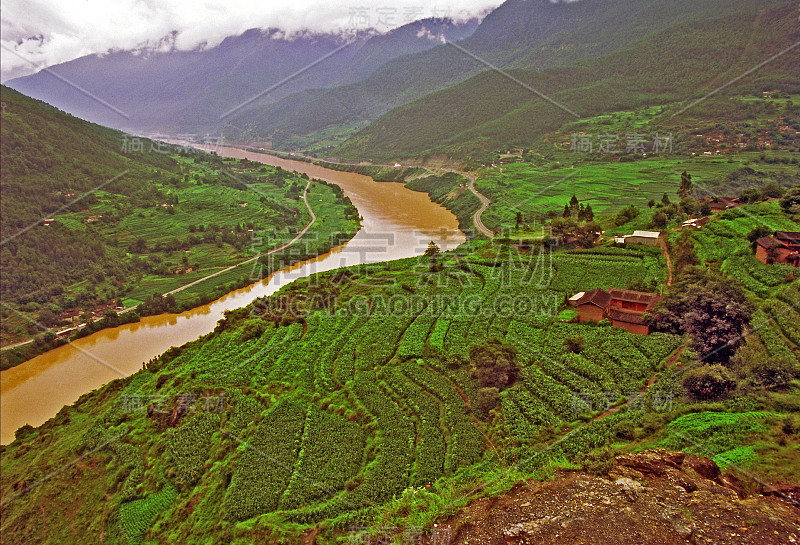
column 787, row 491
column 654, row 497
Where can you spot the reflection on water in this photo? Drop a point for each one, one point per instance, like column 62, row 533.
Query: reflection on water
column 397, row 223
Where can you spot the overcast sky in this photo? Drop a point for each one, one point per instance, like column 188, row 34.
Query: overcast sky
column 47, row 32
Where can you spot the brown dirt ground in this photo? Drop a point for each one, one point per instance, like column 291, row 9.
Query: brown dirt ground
column 651, row 498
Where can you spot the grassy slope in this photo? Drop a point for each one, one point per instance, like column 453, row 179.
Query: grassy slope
column 364, row 407
column 90, row 254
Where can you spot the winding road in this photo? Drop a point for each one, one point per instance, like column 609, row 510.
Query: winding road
column 485, row 202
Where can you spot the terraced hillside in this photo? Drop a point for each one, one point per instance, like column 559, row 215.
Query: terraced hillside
column 332, row 413
column 94, row 220
column 393, row 393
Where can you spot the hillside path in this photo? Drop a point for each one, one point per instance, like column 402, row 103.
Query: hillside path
column 485, row 202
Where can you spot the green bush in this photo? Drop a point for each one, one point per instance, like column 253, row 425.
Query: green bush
column 708, row 382
column 776, row 373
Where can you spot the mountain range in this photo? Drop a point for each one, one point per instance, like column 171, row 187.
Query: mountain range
column 394, row 95
column 186, row 91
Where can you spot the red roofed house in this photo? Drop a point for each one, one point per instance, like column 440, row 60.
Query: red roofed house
column 784, row 247
column 721, row 203
column 625, row 308
column 591, row 305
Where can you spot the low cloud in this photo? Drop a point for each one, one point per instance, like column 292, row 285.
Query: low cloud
column 38, row 33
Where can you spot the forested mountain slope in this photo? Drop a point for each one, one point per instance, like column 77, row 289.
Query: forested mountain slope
column 533, row 35
column 672, row 68
column 191, row 91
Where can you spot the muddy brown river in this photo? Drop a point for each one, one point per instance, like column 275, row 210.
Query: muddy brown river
column 397, row 223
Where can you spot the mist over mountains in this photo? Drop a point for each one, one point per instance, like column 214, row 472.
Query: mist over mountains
column 189, row 91
column 341, row 94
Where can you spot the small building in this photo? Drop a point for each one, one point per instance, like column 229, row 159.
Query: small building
column 648, row 238
column 783, row 247
column 695, row 223
column 70, row 315
column 591, row 305
column 721, row 203
column 625, row 308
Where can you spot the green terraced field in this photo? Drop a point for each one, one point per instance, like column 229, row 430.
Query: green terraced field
column 355, row 408
column 340, row 415
column 536, row 188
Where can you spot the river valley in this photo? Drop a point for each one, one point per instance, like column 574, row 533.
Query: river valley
column 397, row 223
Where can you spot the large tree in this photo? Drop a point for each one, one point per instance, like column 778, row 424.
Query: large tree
column 494, row 364
column 713, row 312
column 686, row 185
column 791, row 202
column 757, row 233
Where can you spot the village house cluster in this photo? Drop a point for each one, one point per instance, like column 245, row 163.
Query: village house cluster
column 624, row 308
column 782, row 247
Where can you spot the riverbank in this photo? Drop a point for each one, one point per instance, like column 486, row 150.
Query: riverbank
column 197, row 292
column 396, row 223
column 453, row 189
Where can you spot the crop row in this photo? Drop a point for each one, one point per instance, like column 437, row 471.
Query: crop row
column 265, row 462
column 330, row 456
column 189, row 444
column 465, row 446
column 377, row 341
column 525, row 414
column 556, row 396
column 573, row 275
column 245, row 410
column 136, row 517
column 431, row 439
column 388, row 474
column 754, row 275
column 414, row 337
column 787, row 318
column 238, row 367
column 323, row 377
column 772, row 339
